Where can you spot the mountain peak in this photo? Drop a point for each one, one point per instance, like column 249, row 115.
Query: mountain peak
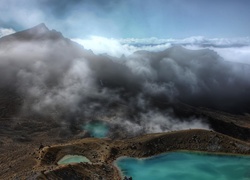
column 38, row 32
column 40, row 28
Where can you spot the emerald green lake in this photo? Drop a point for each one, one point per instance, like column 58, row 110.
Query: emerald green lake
column 97, row 129
column 186, row 166
column 68, row 159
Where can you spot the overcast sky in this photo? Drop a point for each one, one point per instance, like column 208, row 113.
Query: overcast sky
column 131, row 18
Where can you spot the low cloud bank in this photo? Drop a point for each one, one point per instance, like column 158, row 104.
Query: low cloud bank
column 6, row 31
column 59, row 80
column 234, row 49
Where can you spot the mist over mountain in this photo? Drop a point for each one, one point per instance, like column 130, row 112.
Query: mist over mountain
column 53, row 77
column 230, row 49
column 104, row 79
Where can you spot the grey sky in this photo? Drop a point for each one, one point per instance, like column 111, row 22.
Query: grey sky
column 131, row 18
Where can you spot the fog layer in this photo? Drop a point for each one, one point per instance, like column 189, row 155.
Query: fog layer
column 58, row 79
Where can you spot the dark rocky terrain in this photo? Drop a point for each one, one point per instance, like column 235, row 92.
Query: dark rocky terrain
column 50, row 86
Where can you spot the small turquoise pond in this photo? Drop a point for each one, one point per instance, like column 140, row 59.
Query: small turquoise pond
column 186, row 166
column 97, row 129
column 68, row 159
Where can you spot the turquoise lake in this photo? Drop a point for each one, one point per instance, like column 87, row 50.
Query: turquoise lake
column 186, row 166
column 97, row 129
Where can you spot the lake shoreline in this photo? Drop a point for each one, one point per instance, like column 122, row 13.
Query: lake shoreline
column 215, row 165
column 103, row 152
column 178, row 151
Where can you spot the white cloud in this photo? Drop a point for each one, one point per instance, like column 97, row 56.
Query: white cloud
column 76, row 88
column 155, row 122
column 101, row 45
column 240, row 54
column 234, row 49
column 115, row 47
column 194, row 40
column 6, row 31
